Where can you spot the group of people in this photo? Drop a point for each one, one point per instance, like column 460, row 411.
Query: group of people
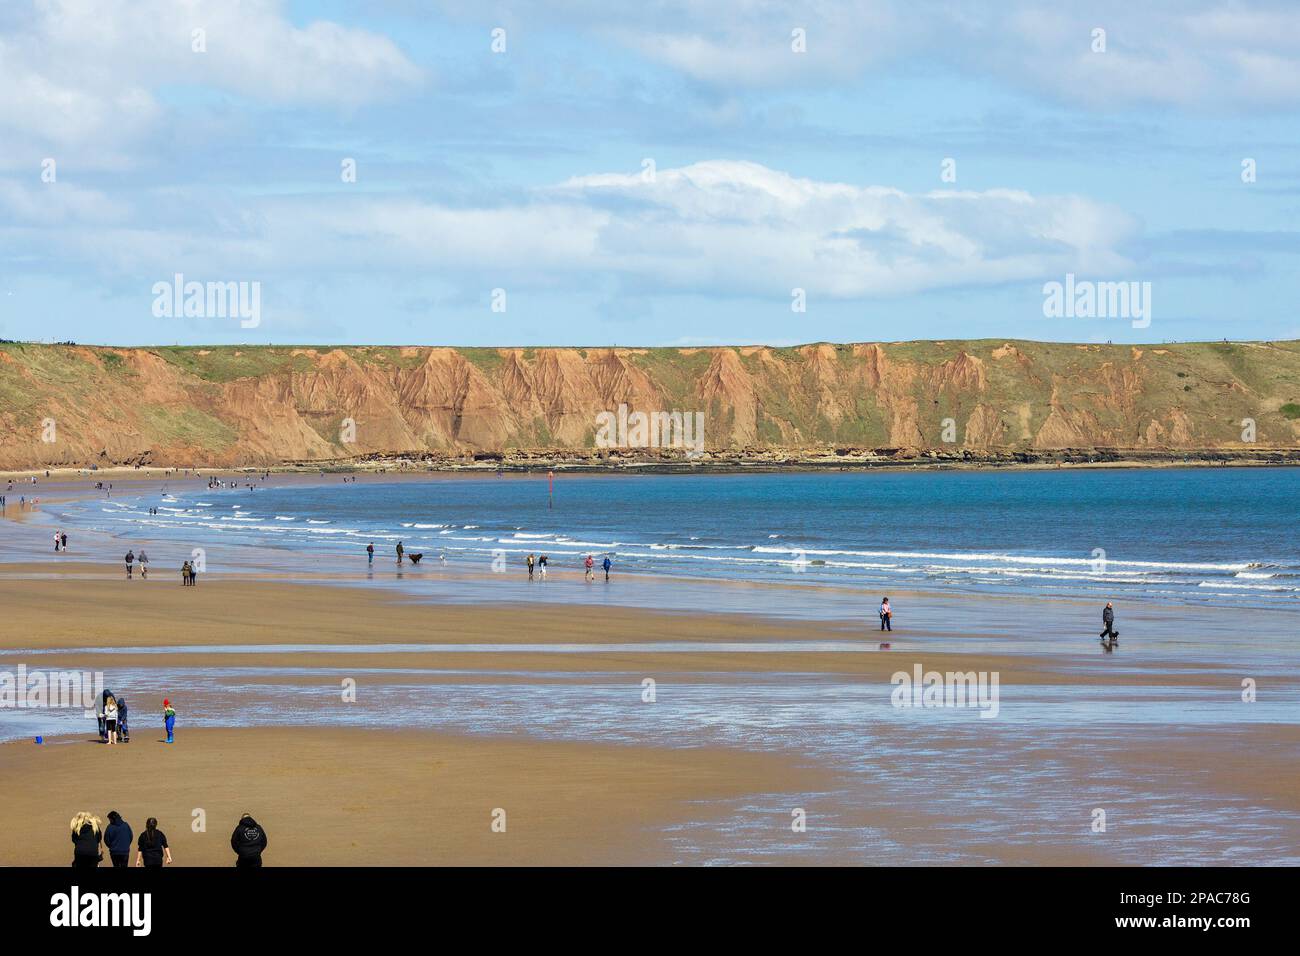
column 89, row 834
column 60, row 541
column 538, row 563
column 114, row 725
column 589, row 566
column 132, row 559
column 189, row 569
column 114, row 719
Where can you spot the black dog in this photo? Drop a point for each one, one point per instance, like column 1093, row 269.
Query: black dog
column 415, row 556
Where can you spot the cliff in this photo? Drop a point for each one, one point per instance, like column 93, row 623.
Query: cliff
column 70, row 405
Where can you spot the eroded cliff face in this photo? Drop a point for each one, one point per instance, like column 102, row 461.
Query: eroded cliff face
column 236, row 406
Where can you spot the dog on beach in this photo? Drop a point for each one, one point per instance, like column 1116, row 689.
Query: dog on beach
column 415, row 556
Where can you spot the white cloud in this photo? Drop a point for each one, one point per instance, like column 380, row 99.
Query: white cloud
column 720, row 227
column 1196, row 54
column 1193, row 54
column 58, row 204
column 90, row 73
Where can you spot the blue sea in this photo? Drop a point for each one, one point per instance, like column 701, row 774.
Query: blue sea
column 1222, row 536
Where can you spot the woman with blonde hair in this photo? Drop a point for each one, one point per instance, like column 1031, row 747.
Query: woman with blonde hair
column 110, row 719
column 87, row 835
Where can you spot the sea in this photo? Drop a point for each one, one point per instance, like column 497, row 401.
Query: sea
column 1189, row 536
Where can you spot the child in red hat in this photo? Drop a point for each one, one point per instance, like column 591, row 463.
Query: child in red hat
column 169, row 720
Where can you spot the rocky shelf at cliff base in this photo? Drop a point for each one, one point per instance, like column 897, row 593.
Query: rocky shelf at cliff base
column 757, row 459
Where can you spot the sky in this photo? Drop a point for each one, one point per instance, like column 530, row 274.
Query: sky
column 645, row 174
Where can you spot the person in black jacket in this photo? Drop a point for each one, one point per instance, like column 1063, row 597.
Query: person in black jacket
column 118, row 838
column 1108, row 619
column 248, row 841
column 87, row 834
column 152, row 849
column 123, row 732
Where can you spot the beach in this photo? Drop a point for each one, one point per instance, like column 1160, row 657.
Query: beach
column 351, row 797
column 370, row 714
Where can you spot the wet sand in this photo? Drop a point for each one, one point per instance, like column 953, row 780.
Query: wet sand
column 345, row 796
column 737, row 739
column 79, row 606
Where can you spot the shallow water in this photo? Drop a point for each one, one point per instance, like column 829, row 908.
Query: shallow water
column 1003, row 781
column 1196, row 536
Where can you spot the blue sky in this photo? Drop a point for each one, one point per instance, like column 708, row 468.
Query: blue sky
column 524, row 170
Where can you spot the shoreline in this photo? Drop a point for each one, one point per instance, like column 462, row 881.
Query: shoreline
column 854, row 460
column 837, row 598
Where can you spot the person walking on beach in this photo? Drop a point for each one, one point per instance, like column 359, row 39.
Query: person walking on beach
column 87, row 834
column 530, row 566
column 886, row 616
column 606, row 564
column 370, row 553
column 589, row 564
column 248, row 841
column 63, row 537
column 185, row 574
column 400, row 551
column 123, row 722
column 541, row 566
column 130, row 562
column 56, row 542
column 144, row 564
column 169, row 720
column 110, row 720
column 152, row 848
column 118, row 838
column 1108, row 619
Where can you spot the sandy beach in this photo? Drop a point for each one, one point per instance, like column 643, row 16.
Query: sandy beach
column 371, row 714
column 336, row 786
column 351, row 797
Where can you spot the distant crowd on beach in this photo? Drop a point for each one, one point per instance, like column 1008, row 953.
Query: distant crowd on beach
column 533, row 563
column 541, row 563
column 24, row 503
column 90, row 837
